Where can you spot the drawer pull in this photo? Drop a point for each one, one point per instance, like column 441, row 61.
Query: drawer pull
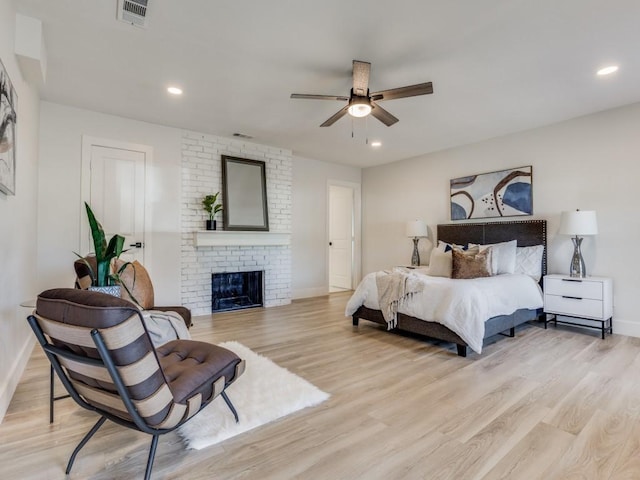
column 572, row 298
column 571, row 280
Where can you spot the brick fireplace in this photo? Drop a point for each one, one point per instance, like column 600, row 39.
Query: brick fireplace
column 236, row 290
column 202, row 175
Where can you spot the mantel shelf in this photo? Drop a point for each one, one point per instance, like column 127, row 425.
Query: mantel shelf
column 221, row 238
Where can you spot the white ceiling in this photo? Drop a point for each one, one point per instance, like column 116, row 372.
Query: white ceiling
column 497, row 66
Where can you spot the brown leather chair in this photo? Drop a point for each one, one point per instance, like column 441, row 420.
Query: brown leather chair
column 101, row 351
column 137, row 280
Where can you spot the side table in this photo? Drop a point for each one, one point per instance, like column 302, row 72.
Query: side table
column 589, row 298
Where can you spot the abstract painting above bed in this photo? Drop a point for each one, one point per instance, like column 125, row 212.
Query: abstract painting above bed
column 505, row 193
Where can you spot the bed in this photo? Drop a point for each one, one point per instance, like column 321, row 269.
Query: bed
column 527, row 233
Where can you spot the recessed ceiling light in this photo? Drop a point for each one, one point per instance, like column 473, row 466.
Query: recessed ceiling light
column 608, row 70
column 174, row 90
column 376, row 144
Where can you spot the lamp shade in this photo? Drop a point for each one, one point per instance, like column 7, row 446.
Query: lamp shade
column 580, row 222
column 417, row 228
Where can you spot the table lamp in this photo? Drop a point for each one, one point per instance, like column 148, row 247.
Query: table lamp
column 578, row 223
column 416, row 229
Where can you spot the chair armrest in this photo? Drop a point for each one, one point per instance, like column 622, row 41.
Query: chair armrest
column 184, row 312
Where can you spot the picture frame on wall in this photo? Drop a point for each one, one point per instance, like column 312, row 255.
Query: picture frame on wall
column 8, row 121
column 504, row 193
column 244, row 194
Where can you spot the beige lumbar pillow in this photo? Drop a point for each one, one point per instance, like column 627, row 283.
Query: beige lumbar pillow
column 471, row 263
column 440, row 263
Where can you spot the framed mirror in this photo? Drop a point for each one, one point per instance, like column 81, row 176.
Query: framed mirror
column 244, row 194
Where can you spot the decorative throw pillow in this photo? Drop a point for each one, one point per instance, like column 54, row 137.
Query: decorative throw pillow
column 529, row 261
column 137, row 280
column 504, row 256
column 440, row 263
column 471, row 263
column 446, row 247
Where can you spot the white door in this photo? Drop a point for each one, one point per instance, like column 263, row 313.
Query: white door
column 341, row 237
column 115, row 190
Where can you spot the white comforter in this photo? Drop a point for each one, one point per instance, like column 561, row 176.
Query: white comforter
column 461, row 305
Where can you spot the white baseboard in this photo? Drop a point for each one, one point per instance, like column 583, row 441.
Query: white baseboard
column 623, row 327
column 8, row 387
column 309, row 292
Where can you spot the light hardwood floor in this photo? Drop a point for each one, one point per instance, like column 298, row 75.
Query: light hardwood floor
column 548, row 404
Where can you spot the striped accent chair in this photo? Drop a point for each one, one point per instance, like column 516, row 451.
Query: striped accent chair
column 102, row 353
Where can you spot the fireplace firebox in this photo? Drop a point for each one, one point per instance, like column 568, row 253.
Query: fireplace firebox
column 236, row 290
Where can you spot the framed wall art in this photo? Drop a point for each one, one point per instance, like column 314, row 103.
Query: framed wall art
column 506, row 193
column 244, row 194
column 8, row 118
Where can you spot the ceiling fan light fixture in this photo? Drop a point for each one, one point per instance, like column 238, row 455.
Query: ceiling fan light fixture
column 359, row 107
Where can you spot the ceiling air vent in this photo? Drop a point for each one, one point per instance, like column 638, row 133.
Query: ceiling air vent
column 133, row 12
column 242, row 135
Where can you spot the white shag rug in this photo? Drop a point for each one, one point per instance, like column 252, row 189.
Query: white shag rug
column 262, row 394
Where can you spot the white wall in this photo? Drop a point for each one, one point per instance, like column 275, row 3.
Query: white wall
column 309, row 233
column 60, row 207
column 589, row 163
column 60, row 211
column 18, row 266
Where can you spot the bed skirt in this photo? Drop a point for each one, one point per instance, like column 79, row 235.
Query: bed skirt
column 406, row 323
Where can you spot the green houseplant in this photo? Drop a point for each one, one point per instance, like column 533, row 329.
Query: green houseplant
column 212, row 207
column 105, row 254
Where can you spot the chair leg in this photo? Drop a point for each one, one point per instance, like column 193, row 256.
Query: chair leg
column 152, row 454
column 83, row 442
column 51, row 399
column 52, row 394
column 230, row 405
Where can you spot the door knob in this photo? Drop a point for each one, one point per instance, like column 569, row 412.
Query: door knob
column 330, row 244
column 137, row 245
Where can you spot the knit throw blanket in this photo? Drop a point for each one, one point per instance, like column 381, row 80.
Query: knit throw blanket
column 393, row 289
column 164, row 326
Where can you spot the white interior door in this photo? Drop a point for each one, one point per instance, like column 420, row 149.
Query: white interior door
column 341, row 237
column 115, row 190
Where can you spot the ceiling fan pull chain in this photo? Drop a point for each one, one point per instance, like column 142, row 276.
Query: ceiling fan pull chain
column 351, row 127
column 366, row 130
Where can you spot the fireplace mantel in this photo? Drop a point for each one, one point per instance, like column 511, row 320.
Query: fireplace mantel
column 221, row 238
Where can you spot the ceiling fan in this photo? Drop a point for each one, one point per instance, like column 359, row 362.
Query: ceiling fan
column 362, row 103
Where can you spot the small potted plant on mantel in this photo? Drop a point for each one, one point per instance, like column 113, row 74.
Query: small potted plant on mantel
column 103, row 276
column 212, row 207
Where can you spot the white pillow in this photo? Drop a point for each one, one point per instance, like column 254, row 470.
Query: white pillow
column 503, row 258
column 440, row 263
column 529, row 261
column 446, row 247
column 442, row 246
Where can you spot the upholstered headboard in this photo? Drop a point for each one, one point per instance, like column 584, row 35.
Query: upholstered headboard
column 526, row 232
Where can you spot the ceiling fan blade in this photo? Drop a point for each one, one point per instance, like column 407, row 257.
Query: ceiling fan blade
column 402, row 92
column 381, row 114
column 319, row 97
column 337, row 116
column 361, row 71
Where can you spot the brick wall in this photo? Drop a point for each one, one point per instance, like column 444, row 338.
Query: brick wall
column 202, row 175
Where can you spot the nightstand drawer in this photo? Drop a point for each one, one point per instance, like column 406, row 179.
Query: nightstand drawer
column 576, row 307
column 573, row 288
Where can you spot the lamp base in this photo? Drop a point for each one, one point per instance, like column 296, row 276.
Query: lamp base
column 415, row 258
column 577, row 268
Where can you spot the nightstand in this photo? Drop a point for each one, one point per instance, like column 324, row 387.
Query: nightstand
column 589, row 298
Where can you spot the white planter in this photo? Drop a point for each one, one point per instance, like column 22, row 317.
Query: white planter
column 113, row 290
